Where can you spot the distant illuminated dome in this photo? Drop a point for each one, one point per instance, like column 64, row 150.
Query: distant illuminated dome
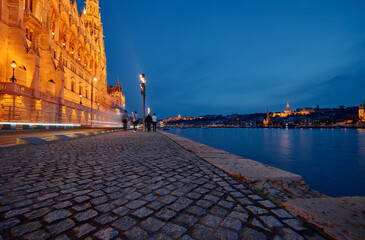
column 179, row 116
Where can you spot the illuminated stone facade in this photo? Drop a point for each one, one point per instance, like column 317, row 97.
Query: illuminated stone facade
column 117, row 96
column 61, row 64
column 362, row 111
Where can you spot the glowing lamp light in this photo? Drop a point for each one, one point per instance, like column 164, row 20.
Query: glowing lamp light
column 64, row 44
column 84, row 12
column 80, row 95
column 95, row 79
column 72, row 52
column 13, row 64
column 53, row 33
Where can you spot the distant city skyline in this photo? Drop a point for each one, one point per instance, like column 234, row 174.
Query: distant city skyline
column 215, row 57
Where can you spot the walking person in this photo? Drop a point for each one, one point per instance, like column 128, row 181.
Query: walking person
column 154, row 122
column 135, row 120
column 124, row 120
column 148, row 122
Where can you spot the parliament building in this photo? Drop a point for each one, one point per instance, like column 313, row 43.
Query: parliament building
column 53, row 63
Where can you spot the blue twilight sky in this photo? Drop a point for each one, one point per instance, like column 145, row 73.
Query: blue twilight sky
column 222, row 57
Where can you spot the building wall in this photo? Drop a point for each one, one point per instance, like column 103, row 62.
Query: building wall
column 61, row 62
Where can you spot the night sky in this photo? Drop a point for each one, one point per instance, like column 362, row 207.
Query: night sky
column 244, row 56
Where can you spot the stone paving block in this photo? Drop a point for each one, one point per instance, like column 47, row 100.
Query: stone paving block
column 232, row 223
column 61, row 227
column 121, row 211
column 25, row 228
column 256, row 210
column 226, row 234
column 81, row 207
column 204, row 203
column 155, row 205
column 87, row 215
column 201, row 232
column 6, row 224
column 105, row 219
column 57, row 215
column 243, row 216
column 136, row 204
column 83, row 230
column 290, row 234
column 38, row 235
column 136, row 233
column 142, row 212
column 251, row 234
column 219, row 211
column 256, row 223
column 16, row 212
column 152, row 224
column 199, row 211
column 268, row 204
column 174, row 230
column 166, row 214
column 271, row 221
column 167, row 199
column 189, row 220
column 64, row 204
column 124, row 223
column 211, row 220
column 106, row 234
column 281, row 213
column 294, row 223
column 106, row 207
column 99, row 200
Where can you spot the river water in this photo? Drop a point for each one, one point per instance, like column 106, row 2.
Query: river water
column 331, row 161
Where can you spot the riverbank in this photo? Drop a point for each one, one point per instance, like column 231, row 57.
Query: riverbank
column 291, row 189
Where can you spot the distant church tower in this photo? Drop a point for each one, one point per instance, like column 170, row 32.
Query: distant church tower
column 362, row 111
column 267, row 121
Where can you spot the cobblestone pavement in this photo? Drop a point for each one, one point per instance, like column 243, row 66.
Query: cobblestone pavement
column 130, row 186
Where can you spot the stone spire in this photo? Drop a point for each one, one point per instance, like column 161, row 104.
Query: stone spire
column 118, row 84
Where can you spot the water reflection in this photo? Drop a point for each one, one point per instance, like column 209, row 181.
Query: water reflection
column 331, row 161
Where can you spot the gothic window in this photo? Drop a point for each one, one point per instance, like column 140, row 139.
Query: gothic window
column 73, row 85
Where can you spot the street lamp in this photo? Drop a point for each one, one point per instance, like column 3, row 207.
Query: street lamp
column 13, row 66
column 92, row 98
column 143, row 92
column 80, row 98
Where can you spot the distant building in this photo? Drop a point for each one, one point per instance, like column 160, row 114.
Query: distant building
column 287, row 112
column 117, row 96
column 267, row 120
column 362, row 112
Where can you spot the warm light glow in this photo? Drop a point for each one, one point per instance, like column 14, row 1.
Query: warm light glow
column 13, row 64
column 80, row 95
column 142, row 77
column 72, row 52
column 148, row 110
column 84, row 12
column 53, row 33
column 95, row 79
column 64, row 44
column 41, row 124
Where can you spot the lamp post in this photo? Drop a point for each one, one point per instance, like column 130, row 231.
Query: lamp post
column 143, row 92
column 92, row 99
column 13, row 79
column 13, row 66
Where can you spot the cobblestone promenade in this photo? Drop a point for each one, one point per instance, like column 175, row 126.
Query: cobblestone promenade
column 130, row 186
